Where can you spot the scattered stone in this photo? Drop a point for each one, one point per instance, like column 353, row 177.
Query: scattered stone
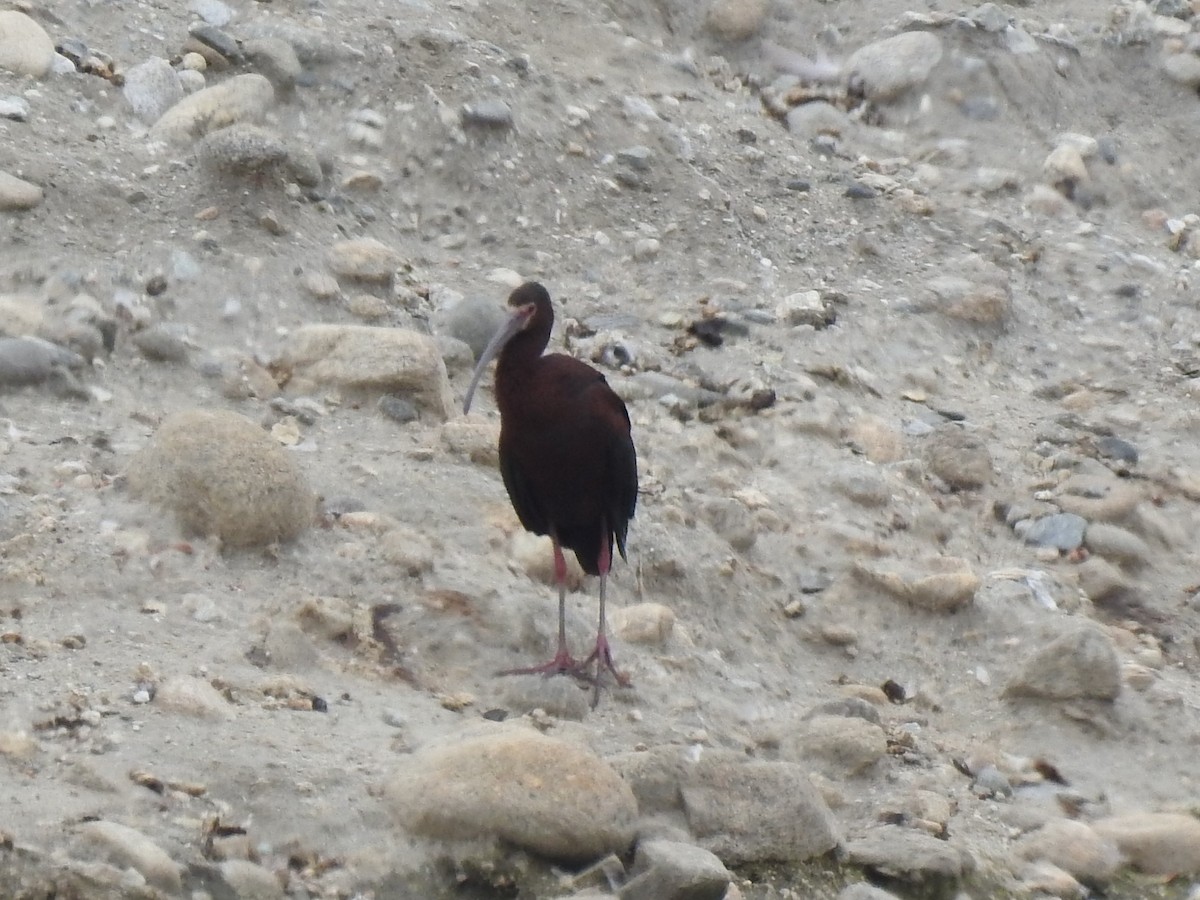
column 250, row 881
column 488, row 114
column 958, row 457
column 668, row 870
column 1112, row 447
column 242, row 149
column 364, row 259
column 806, row 308
column 1113, row 542
column 643, row 623
column 321, row 285
column 638, row 158
column 472, row 320
column 837, row 745
column 25, row 48
column 302, row 165
column 1183, row 68
column 16, row 194
column 1161, row 844
column 29, row 360
column 1045, row 878
column 243, row 98
column 276, row 60
column 223, row 476
column 909, row 855
column 862, row 890
column 945, row 591
column 192, row 697
column 1065, row 170
column 1063, row 531
column 991, row 782
column 756, row 811
column 654, row 775
column 809, row 120
column 151, row 88
column 14, row 108
column 878, row 440
column 1100, row 579
column 645, row 249
column 736, row 20
column 890, row 67
column 218, row 47
column 545, row 795
column 368, row 307
column 1073, row 847
column 128, row 847
column 191, row 80
column 558, row 697
column 162, row 343
column 214, row 12
column 854, row 706
column 862, row 484
column 1080, row 664
column 979, row 303
column 371, row 359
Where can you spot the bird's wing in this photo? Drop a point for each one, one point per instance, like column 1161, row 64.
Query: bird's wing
column 532, row 517
column 622, row 465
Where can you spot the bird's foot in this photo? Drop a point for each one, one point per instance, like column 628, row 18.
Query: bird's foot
column 602, row 656
column 562, row 664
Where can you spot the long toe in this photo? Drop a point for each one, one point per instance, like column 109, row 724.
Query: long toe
column 562, row 664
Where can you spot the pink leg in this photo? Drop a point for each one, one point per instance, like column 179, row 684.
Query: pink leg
column 602, row 654
column 563, row 662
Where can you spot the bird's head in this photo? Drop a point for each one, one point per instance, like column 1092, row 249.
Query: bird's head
column 530, row 304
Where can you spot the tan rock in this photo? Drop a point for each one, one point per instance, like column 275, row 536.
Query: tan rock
column 643, row 623
column 1156, row 843
column 223, row 476
column 128, row 847
column 243, row 98
column 25, row 48
column 735, row 20
column 16, row 194
column 371, row 359
column 546, row 795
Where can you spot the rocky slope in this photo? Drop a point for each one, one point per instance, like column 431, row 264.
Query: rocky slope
column 901, row 302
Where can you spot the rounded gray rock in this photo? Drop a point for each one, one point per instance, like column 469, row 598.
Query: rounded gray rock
column 151, row 88
column 1063, row 531
column 275, row 59
column 894, row 65
column 909, row 855
column 755, row 811
column 669, row 870
column 28, row 360
column 472, row 320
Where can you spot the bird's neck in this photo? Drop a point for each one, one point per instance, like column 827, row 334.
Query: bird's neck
column 516, row 370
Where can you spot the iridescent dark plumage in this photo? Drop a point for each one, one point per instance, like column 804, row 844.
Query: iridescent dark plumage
column 566, row 455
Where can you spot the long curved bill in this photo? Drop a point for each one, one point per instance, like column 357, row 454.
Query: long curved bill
column 502, row 336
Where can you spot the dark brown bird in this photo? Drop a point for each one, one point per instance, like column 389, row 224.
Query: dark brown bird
column 567, row 458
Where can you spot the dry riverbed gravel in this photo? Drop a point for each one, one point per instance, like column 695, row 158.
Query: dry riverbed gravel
column 905, row 305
